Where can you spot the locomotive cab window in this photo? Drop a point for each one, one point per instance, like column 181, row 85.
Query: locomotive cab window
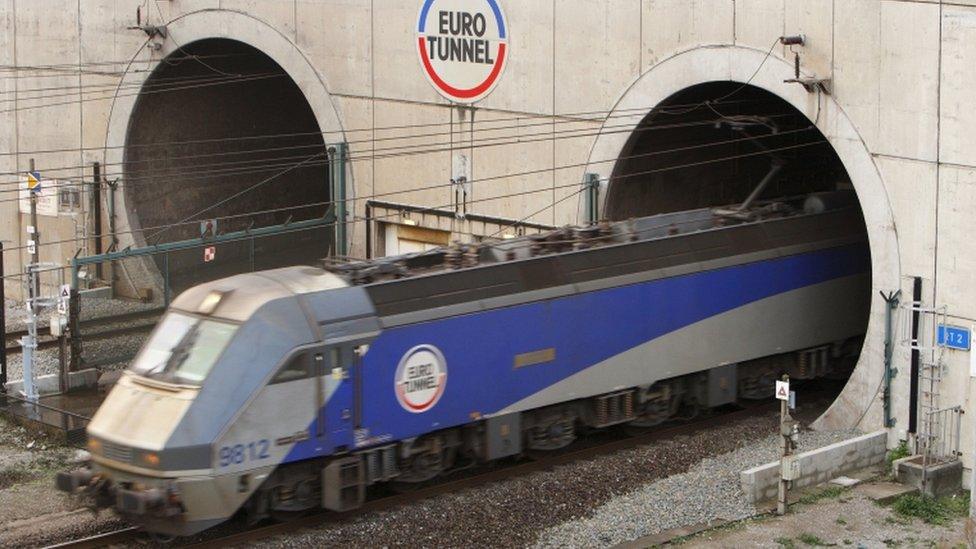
column 183, row 349
column 294, row 369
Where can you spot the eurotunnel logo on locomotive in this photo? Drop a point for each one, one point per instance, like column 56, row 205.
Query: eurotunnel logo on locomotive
column 463, row 46
column 420, row 378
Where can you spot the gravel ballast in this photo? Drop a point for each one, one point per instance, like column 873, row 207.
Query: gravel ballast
column 574, row 504
column 47, row 360
column 710, row 490
column 32, row 512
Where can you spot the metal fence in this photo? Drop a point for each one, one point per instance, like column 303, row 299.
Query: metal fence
column 942, row 443
column 111, row 316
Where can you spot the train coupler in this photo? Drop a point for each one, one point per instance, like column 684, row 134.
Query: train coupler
column 155, row 502
column 71, row 481
column 96, row 489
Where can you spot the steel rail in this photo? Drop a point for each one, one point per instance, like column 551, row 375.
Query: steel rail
column 520, row 469
column 14, row 336
column 321, row 518
column 114, row 537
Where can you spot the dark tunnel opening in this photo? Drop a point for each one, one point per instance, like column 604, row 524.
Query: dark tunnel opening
column 709, row 125
column 710, row 146
column 218, row 131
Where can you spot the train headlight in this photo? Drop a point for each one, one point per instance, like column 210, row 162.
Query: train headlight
column 150, row 459
column 94, row 446
column 211, row 302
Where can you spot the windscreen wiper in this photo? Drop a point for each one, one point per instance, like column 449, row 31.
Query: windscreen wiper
column 182, row 349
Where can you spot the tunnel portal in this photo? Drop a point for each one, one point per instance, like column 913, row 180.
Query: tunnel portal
column 701, row 126
column 711, row 145
column 220, row 129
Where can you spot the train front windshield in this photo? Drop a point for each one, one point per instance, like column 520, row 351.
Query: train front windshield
column 183, row 349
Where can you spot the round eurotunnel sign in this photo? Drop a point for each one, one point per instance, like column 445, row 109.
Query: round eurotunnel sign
column 420, row 378
column 463, row 46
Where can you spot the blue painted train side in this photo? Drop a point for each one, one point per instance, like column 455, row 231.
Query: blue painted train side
column 583, row 329
column 329, row 381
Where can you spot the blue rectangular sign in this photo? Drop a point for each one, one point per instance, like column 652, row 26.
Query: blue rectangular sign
column 954, row 337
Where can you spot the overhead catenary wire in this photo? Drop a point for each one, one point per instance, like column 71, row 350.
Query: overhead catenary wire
column 666, row 110
column 537, row 171
column 179, row 46
column 5, row 68
column 369, row 154
column 433, row 209
column 462, row 147
column 149, row 92
column 354, row 219
column 504, row 176
column 359, row 219
column 596, row 116
column 73, row 91
column 269, row 164
column 257, row 166
column 243, row 192
column 367, row 140
column 307, row 163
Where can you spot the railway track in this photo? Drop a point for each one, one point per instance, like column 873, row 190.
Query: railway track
column 100, row 328
column 103, row 540
column 573, row 454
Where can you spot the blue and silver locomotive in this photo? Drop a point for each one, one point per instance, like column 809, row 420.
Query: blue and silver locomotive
column 297, row 388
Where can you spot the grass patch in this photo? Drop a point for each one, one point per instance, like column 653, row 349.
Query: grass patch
column 904, row 521
column 939, row 511
column 828, row 492
column 896, row 453
column 727, row 527
column 14, row 475
column 813, row 540
column 841, row 521
column 787, row 543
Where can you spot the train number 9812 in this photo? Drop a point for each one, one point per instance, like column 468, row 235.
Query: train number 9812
column 239, row 453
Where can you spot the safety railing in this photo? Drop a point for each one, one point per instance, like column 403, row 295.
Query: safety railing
column 944, row 428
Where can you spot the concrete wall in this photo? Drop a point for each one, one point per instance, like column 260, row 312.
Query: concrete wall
column 817, row 466
column 899, row 114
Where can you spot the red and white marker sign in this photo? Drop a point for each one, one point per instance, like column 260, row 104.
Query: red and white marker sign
column 463, row 46
column 209, row 254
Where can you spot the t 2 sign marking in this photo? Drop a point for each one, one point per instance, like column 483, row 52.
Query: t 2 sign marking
column 954, row 337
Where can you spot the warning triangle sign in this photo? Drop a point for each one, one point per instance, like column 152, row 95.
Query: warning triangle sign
column 783, row 390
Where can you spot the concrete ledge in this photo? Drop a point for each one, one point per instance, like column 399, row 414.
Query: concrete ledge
column 48, row 384
column 817, row 466
column 942, row 479
column 667, row 536
column 885, row 492
column 105, row 292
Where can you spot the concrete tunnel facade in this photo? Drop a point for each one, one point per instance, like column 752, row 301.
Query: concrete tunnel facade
column 576, row 88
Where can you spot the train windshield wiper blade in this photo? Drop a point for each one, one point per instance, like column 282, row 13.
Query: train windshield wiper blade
column 182, row 350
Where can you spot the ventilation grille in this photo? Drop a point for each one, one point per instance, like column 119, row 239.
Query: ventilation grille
column 116, row 452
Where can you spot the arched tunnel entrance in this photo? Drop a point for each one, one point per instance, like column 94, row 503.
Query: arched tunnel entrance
column 710, row 122
column 221, row 131
column 711, row 146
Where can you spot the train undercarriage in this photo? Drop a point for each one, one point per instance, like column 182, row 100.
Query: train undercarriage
column 340, row 483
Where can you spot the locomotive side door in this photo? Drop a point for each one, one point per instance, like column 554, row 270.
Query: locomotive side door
column 337, row 385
